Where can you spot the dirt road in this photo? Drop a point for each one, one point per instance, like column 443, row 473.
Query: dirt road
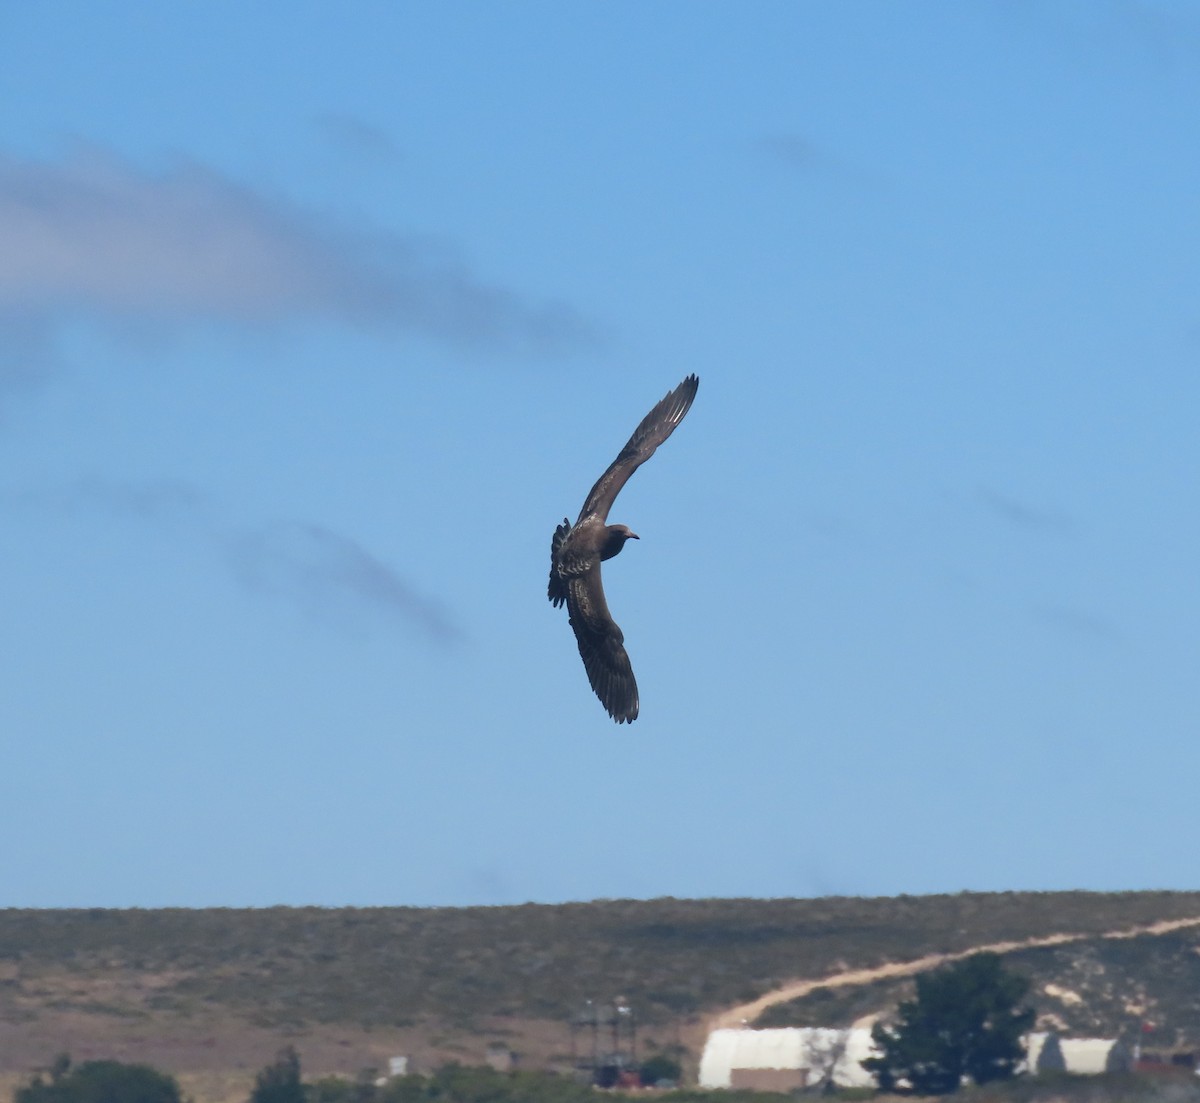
column 793, row 990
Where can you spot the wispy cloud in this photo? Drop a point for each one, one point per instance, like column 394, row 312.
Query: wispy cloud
column 790, row 149
column 27, row 357
column 151, row 500
column 356, row 137
column 330, row 577
column 333, row 578
column 96, row 234
column 1077, row 621
column 1164, row 36
column 801, row 158
column 1022, row 515
column 90, row 498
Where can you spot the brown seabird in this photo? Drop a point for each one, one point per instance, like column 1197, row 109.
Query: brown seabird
column 577, row 550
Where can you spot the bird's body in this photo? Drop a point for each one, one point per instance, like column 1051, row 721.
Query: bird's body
column 576, row 552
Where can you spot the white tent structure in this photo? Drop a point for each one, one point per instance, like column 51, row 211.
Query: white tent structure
column 1082, row 1056
column 785, row 1057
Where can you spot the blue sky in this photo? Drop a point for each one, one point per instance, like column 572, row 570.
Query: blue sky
column 316, row 319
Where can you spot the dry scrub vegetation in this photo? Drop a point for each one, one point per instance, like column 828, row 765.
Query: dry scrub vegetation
column 218, row 990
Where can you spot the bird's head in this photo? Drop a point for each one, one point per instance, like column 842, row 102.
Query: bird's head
column 615, row 541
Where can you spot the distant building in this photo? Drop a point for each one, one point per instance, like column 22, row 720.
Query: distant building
column 500, row 1057
column 786, row 1058
column 1081, row 1056
column 397, row 1066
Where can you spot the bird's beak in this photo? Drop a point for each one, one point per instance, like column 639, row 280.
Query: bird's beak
column 634, row 536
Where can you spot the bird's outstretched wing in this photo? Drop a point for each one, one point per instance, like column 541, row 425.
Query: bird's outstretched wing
column 602, row 646
column 656, row 426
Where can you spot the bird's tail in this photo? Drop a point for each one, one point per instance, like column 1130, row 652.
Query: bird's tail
column 557, row 591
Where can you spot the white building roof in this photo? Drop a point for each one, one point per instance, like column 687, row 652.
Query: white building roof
column 790, row 1047
column 1085, row 1056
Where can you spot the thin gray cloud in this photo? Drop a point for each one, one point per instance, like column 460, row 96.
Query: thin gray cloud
column 1153, row 35
column 91, row 497
column 333, row 578
column 801, row 158
column 1022, row 515
column 791, row 149
column 330, row 577
column 27, row 355
column 1076, row 621
column 98, row 235
column 357, row 138
column 152, row 500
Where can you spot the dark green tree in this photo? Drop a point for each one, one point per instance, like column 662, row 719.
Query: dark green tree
column 404, row 1089
column 332, row 1089
column 60, row 1066
column 100, row 1082
column 965, row 1022
column 1051, row 1059
column 1120, row 1057
column 279, row 1082
column 660, row 1067
column 479, row 1084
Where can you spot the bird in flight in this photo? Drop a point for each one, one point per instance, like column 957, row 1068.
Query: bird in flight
column 577, row 550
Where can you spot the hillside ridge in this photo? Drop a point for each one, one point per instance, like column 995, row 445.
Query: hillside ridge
column 211, row 994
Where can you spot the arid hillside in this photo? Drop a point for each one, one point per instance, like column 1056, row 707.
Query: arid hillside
column 211, row 994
